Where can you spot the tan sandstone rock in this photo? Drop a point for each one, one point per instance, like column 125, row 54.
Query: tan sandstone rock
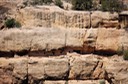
column 53, row 17
column 86, row 82
column 46, row 68
column 55, row 82
column 13, row 70
column 104, row 19
column 117, row 69
column 82, row 67
column 108, row 39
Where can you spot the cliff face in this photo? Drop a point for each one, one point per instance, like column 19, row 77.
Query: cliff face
column 63, row 69
column 48, row 39
column 57, row 18
column 56, row 46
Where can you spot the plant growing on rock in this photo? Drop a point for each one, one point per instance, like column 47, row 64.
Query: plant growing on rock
column 59, row 3
column 40, row 2
column 82, row 4
column 10, row 23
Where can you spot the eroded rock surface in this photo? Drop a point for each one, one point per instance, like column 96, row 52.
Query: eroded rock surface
column 64, row 69
column 56, row 41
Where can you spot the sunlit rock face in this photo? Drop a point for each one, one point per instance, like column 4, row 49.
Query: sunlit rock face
column 71, row 68
column 61, row 40
column 57, row 46
column 53, row 17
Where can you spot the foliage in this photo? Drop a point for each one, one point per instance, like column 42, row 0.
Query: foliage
column 10, row 23
column 125, row 54
column 40, row 2
column 82, row 4
column 111, row 5
column 59, row 3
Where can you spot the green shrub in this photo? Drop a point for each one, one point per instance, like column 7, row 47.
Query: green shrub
column 82, row 4
column 59, row 3
column 47, row 1
column 125, row 54
column 10, row 23
column 111, row 5
column 40, row 2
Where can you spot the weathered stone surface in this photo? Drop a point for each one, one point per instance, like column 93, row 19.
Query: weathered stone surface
column 55, row 82
column 104, row 19
column 56, row 68
column 48, row 68
column 6, row 72
column 93, row 68
column 82, row 67
column 108, row 40
column 13, row 70
column 86, row 82
column 36, row 68
column 90, row 40
column 58, row 41
column 40, row 39
column 117, row 69
column 53, row 17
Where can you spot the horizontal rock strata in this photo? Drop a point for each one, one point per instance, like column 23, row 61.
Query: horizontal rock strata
column 90, row 69
column 54, row 41
column 46, row 16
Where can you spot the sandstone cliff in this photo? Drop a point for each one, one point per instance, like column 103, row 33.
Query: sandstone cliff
column 56, row 46
column 86, row 69
column 45, row 16
column 66, row 40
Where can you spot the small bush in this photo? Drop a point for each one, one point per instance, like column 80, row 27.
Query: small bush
column 125, row 54
column 82, row 4
column 40, row 2
column 47, row 1
column 111, row 5
column 10, row 23
column 59, row 3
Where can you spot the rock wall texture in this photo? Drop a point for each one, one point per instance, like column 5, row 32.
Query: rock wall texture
column 45, row 16
column 66, row 69
column 45, row 50
column 56, row 41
